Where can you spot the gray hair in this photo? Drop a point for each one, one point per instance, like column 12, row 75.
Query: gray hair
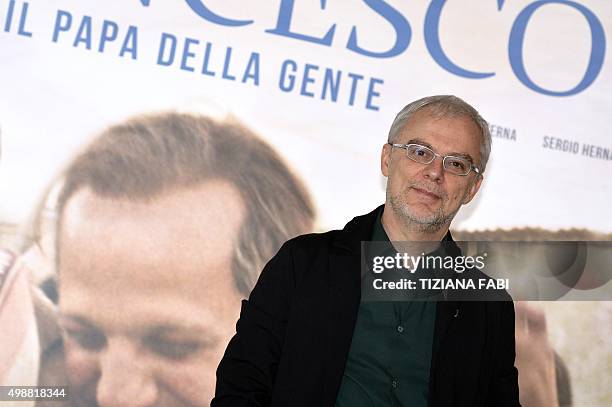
column 146, row 156
column 445, row 106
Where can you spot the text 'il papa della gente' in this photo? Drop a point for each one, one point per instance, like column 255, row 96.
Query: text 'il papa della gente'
column 194, row 56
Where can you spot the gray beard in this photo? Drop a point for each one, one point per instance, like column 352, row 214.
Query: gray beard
column 424, row 224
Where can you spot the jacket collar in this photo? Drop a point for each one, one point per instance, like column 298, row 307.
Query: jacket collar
column 359, row 229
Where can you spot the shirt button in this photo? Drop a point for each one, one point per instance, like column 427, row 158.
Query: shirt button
column 394, row 384
column 400, row 329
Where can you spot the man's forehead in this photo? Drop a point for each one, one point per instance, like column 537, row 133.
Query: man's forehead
column 213, row 210
column 449, row 133
column 176, row 242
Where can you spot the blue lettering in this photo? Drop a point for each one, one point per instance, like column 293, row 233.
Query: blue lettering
column 253, row 65
column 205, row 70
column 187, row 54
column 372, row 93
column 63, row 21
column 130, row 43
column 517, row 36
column 356, row 78
column 84, row 33
column 22, row 21
column 432, row 40
column 403, row 33
column 308, row 80
column 9, row 16
column 284, row 22
column 226, row 64
column 21, row 30
column 331, row 83
column 165, row 39
column 200, row 9
column 287, row 77
column 108, row 35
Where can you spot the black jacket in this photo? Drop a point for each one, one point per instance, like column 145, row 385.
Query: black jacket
column 295, row 331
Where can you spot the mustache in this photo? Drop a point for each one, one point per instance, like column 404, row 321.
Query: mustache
column 432, row 189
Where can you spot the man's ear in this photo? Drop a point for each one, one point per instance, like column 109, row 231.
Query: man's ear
column 385, row 159
column 473, row 189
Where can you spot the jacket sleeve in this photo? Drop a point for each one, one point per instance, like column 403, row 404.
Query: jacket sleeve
column 247, row 372
column 503, row 389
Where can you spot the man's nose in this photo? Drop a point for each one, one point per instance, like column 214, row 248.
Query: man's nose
column 434, row 171
column 125, row 379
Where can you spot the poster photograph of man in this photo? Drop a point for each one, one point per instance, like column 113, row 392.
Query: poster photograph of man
column 305, row 203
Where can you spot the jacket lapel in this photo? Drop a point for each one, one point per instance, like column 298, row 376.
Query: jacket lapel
column 344, row 297
column 446, row 312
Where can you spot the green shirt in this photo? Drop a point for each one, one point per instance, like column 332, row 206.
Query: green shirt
column 389, row 359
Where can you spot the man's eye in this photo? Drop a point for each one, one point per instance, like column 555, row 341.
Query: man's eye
column 87, row 339
column 458, row 164
column 172, row 349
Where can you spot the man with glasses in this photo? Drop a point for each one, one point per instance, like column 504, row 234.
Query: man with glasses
column 306, row 337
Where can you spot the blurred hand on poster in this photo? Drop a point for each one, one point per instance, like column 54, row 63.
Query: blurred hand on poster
column 19, row 345
column 535, row 358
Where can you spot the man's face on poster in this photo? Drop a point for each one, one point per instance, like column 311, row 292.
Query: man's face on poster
column 147, row 297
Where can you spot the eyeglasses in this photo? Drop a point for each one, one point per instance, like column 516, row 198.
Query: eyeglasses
column 425, row 155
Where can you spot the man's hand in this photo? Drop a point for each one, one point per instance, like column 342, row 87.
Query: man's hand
column 535, row 359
